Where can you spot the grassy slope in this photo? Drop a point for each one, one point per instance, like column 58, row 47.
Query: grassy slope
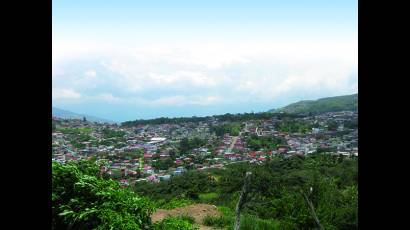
column 329, row 104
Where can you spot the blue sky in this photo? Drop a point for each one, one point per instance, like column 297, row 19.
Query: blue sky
column 126, row 60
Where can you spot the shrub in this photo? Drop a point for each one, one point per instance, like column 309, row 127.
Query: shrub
column 254, row 223
column 83, row 200
column 174, row 203
column 175, row 223
column 188, row 218
column 205, row 197
column 218, row 221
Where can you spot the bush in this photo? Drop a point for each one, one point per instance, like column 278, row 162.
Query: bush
column 205, row 197
column 174, row 203
column 81, row 199
column 218, row 221
column 254, row 223
column 188, row 218
column 175, row 223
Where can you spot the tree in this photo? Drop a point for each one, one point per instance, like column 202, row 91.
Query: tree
column 312, row 210
column 82, row 199
column 242, row 200
column 163, row 164
column 332, row 125
column 184, row 145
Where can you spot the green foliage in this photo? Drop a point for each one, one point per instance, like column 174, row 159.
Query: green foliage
column 175, row 223
column 187, row 218
column 186, row 145
column 218, row 221
column 207, row 197
column 225, row 210
column 110, row 133
column 323, row 105
column 163, row 164
column 76, row 140
column 293, row 126
column 254, row 223
column 255, row 142
column 131, row 154
column 188, row 185
column 225, row 117
column 332, row 125
column 275, row 200
column 248, row 222
column 81, row 199
column 75, row 131
column 173, row 203
column 351, row 124
column 232, row 128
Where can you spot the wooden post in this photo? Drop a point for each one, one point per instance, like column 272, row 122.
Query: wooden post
column 312, row 211
column 241, row 201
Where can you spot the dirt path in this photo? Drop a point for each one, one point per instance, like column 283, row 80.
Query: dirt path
column 197, row 211
column 234, row 139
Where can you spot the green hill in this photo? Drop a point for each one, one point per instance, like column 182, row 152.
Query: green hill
column 323, row 105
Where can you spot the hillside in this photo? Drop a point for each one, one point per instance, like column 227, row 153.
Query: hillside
column 323, row 105
column 56, row 112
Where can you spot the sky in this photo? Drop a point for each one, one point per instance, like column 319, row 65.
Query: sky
column 139, row 59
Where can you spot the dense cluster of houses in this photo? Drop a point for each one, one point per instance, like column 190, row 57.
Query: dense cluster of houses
column 131, row 156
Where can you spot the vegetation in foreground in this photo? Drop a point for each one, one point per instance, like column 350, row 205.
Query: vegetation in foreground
column 277, row 188
column 82, row 199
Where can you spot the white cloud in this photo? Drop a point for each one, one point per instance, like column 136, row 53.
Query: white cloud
column 107, row 97
column 65, row 94
column 206, row 100
column 213, row 73
column 182, row 77
column 170, row 101
column 90, row 73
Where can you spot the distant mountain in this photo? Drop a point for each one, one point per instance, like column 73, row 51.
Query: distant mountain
column 323, row 105
column 56, row 112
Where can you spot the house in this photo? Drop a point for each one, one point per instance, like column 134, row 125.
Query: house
column 164, row 177
column 343, row 153
column 282, row 150
column 179, row 171
column 148, row 157
column 261, row 159
column 179, row 162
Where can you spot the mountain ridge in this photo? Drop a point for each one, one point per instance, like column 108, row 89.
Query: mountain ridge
column 321, row 105
column 61, row 113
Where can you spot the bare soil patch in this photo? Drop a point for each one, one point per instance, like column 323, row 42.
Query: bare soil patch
column 197, row 211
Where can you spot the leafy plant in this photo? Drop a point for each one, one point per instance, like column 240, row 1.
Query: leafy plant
column 81, row 199
column 174, row 203
column 175, row 223
column 218, row 221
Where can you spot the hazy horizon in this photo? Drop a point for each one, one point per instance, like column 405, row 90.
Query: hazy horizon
column 209, row 112
column 128, row 60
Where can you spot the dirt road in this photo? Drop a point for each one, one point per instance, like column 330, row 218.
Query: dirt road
column 234, row 139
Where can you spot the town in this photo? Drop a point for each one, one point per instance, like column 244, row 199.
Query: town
column 157, row 152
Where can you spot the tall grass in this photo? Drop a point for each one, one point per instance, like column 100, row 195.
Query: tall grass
column 254, row 223
column 248, row 222
column 173, row 203
column 188, row 218
column 218, row 221
column 207, row 197
column 175, row 223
